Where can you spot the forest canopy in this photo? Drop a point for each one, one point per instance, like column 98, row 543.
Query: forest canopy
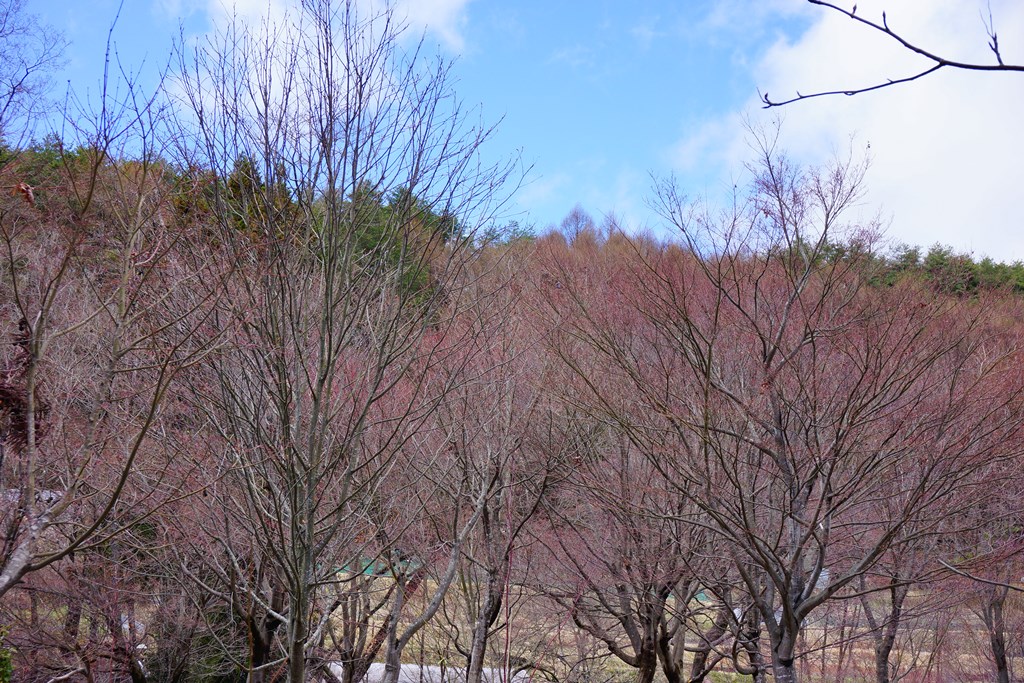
column 287, row 396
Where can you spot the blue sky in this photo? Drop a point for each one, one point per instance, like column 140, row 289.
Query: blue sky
column 601, row 95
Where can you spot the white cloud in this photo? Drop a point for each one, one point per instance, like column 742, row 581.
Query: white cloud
column 277, row 23
column 648, row 31
column 576, row 56
column 176, row 9
column 443, row 19
column 712, row 143
column 542, row 189
column 947, row 149
column 622, row 199
column 630, row 186
column 744, row 17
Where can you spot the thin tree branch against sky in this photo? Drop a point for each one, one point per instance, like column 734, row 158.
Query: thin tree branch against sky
column 935, row 60
column 601, row 95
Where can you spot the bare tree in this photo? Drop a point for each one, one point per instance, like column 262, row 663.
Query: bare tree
column 797, row 395
column 346, row 173
column 938, row 61
column 639, row 546
column 96, row 345
column 28, row 51
column 631, row 566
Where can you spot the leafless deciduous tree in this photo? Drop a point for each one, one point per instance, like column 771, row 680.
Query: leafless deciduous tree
column 642, row 547
column 94, row 350
column 798, row 398
column 28, row 50
column 938, row 61
column 346, row 166
column 498, row 427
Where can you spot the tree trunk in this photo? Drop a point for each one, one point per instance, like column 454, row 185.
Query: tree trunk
column 393, row 652
column 647, row 664
column 261, row 635
column 882, row 652
column 18, row 562
column 388, row 631
column 392, row 664
column 783, row 637
column 259, row 654
column 671, row 667
column 885, row 634
column 995, row 623
column 750, row 640
column 297, row 636
column 484, row 621
column 699, row 670
column 784, row 670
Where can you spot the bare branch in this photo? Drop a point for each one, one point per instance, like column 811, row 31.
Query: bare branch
column 973, row 577
column 938, row 61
